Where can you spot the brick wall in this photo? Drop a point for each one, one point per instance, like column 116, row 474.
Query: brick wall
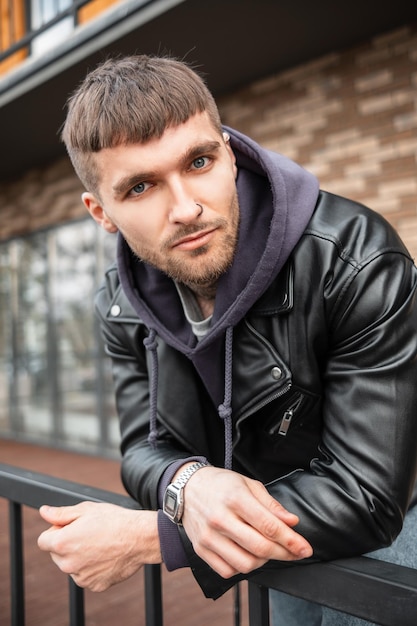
column 349, row 117
column 41, row 198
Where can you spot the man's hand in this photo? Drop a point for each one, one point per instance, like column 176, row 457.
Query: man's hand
column 235, row 525
column 100, row 545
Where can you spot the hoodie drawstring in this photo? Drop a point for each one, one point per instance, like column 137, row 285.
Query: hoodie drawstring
column 225, row 409
column 151, row 344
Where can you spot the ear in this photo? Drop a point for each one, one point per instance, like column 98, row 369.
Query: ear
column 94, row 207
column 226, row 139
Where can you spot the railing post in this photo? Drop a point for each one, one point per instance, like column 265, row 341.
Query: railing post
column 16, row 564
column 236, row 605
column 76, row 604
column 258, row 597
column 153, row 595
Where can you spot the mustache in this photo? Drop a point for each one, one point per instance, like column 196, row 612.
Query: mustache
column 191, row 229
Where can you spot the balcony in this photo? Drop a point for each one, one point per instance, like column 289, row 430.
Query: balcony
column 233, row 43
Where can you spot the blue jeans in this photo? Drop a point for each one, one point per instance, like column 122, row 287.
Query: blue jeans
column 289, row 611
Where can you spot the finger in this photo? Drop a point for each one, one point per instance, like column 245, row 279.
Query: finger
column 277, row 541
column 59, row 515
column 90, row 583
column 224, row 530
column 47, row 540
column 255, row 515
column 275, row 507
column 264, row 530
column 276, row 530
column 228, row 558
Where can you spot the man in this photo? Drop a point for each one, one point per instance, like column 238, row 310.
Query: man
column 263, row 340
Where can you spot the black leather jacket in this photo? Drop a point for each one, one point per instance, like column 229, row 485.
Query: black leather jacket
column 324, row 386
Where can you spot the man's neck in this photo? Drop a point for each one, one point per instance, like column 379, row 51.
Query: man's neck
column 198, row 303
column 205, row 296
column 206, row 305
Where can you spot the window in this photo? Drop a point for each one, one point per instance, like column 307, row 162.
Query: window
column 56, row 382
column 20, row 18
column 44, row 11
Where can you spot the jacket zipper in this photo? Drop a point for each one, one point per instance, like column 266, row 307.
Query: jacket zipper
column 285, row 423
column 263, row 403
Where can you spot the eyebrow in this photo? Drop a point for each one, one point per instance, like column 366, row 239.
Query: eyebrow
column 128, row 182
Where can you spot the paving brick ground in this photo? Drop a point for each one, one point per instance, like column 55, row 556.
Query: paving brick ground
column 47, row 589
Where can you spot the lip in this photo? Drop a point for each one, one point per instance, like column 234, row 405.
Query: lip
column 194, row 241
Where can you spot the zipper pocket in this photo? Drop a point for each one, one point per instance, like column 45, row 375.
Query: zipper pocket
column 286, row 422
column 284, row 425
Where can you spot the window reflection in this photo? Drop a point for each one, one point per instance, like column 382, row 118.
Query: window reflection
column 43, row 11
column 5, row 336
column 55, row 379
column 30, row 392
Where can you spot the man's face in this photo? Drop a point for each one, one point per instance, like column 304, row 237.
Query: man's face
column 151, row 193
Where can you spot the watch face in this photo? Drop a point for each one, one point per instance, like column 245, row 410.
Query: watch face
column 173, row 503
column 170, row 502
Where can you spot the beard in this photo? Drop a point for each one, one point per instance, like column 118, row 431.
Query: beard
column 199, row 269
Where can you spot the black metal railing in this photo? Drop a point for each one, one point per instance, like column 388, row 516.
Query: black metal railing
column 24, row 488
column 380, row 592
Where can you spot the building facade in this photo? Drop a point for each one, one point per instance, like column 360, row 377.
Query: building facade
column 349, row 116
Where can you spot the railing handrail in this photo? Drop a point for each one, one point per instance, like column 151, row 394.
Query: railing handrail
column 24, row 487
column 377, row 591
column 45, row 489
column 380, row 592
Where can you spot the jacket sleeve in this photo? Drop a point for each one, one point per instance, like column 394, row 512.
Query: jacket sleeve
column 143, row 465
column 354, row 495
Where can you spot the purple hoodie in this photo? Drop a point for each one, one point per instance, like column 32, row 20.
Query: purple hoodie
column 276, row 198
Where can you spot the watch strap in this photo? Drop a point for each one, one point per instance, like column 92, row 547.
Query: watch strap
column 173, row 505
column 185, row 475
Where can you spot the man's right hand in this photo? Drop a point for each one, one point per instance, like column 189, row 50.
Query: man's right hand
column 235, row 525
column 100, row 544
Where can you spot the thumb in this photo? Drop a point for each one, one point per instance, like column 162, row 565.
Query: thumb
column 58, row 515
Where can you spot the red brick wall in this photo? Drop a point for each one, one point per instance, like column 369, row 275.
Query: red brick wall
column 349, row 117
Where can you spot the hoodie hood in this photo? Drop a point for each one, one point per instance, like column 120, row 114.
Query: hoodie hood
column 276, row 200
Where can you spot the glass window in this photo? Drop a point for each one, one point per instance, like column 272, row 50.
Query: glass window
column 6, row 337
column 56, row 380
column 73, row 279
column 31, row 397
column 42, row 11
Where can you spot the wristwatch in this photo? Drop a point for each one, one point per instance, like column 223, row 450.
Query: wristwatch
column 173, row 505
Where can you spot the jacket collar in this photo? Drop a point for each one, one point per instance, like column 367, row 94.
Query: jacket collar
column 120, row 310
column 278, row 299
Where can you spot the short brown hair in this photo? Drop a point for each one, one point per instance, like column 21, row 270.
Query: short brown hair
column 131, row 100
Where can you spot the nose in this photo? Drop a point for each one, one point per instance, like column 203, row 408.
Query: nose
column 183, row 207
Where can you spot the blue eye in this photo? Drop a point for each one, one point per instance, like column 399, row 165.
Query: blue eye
column 200, row 162
column 139, row 188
